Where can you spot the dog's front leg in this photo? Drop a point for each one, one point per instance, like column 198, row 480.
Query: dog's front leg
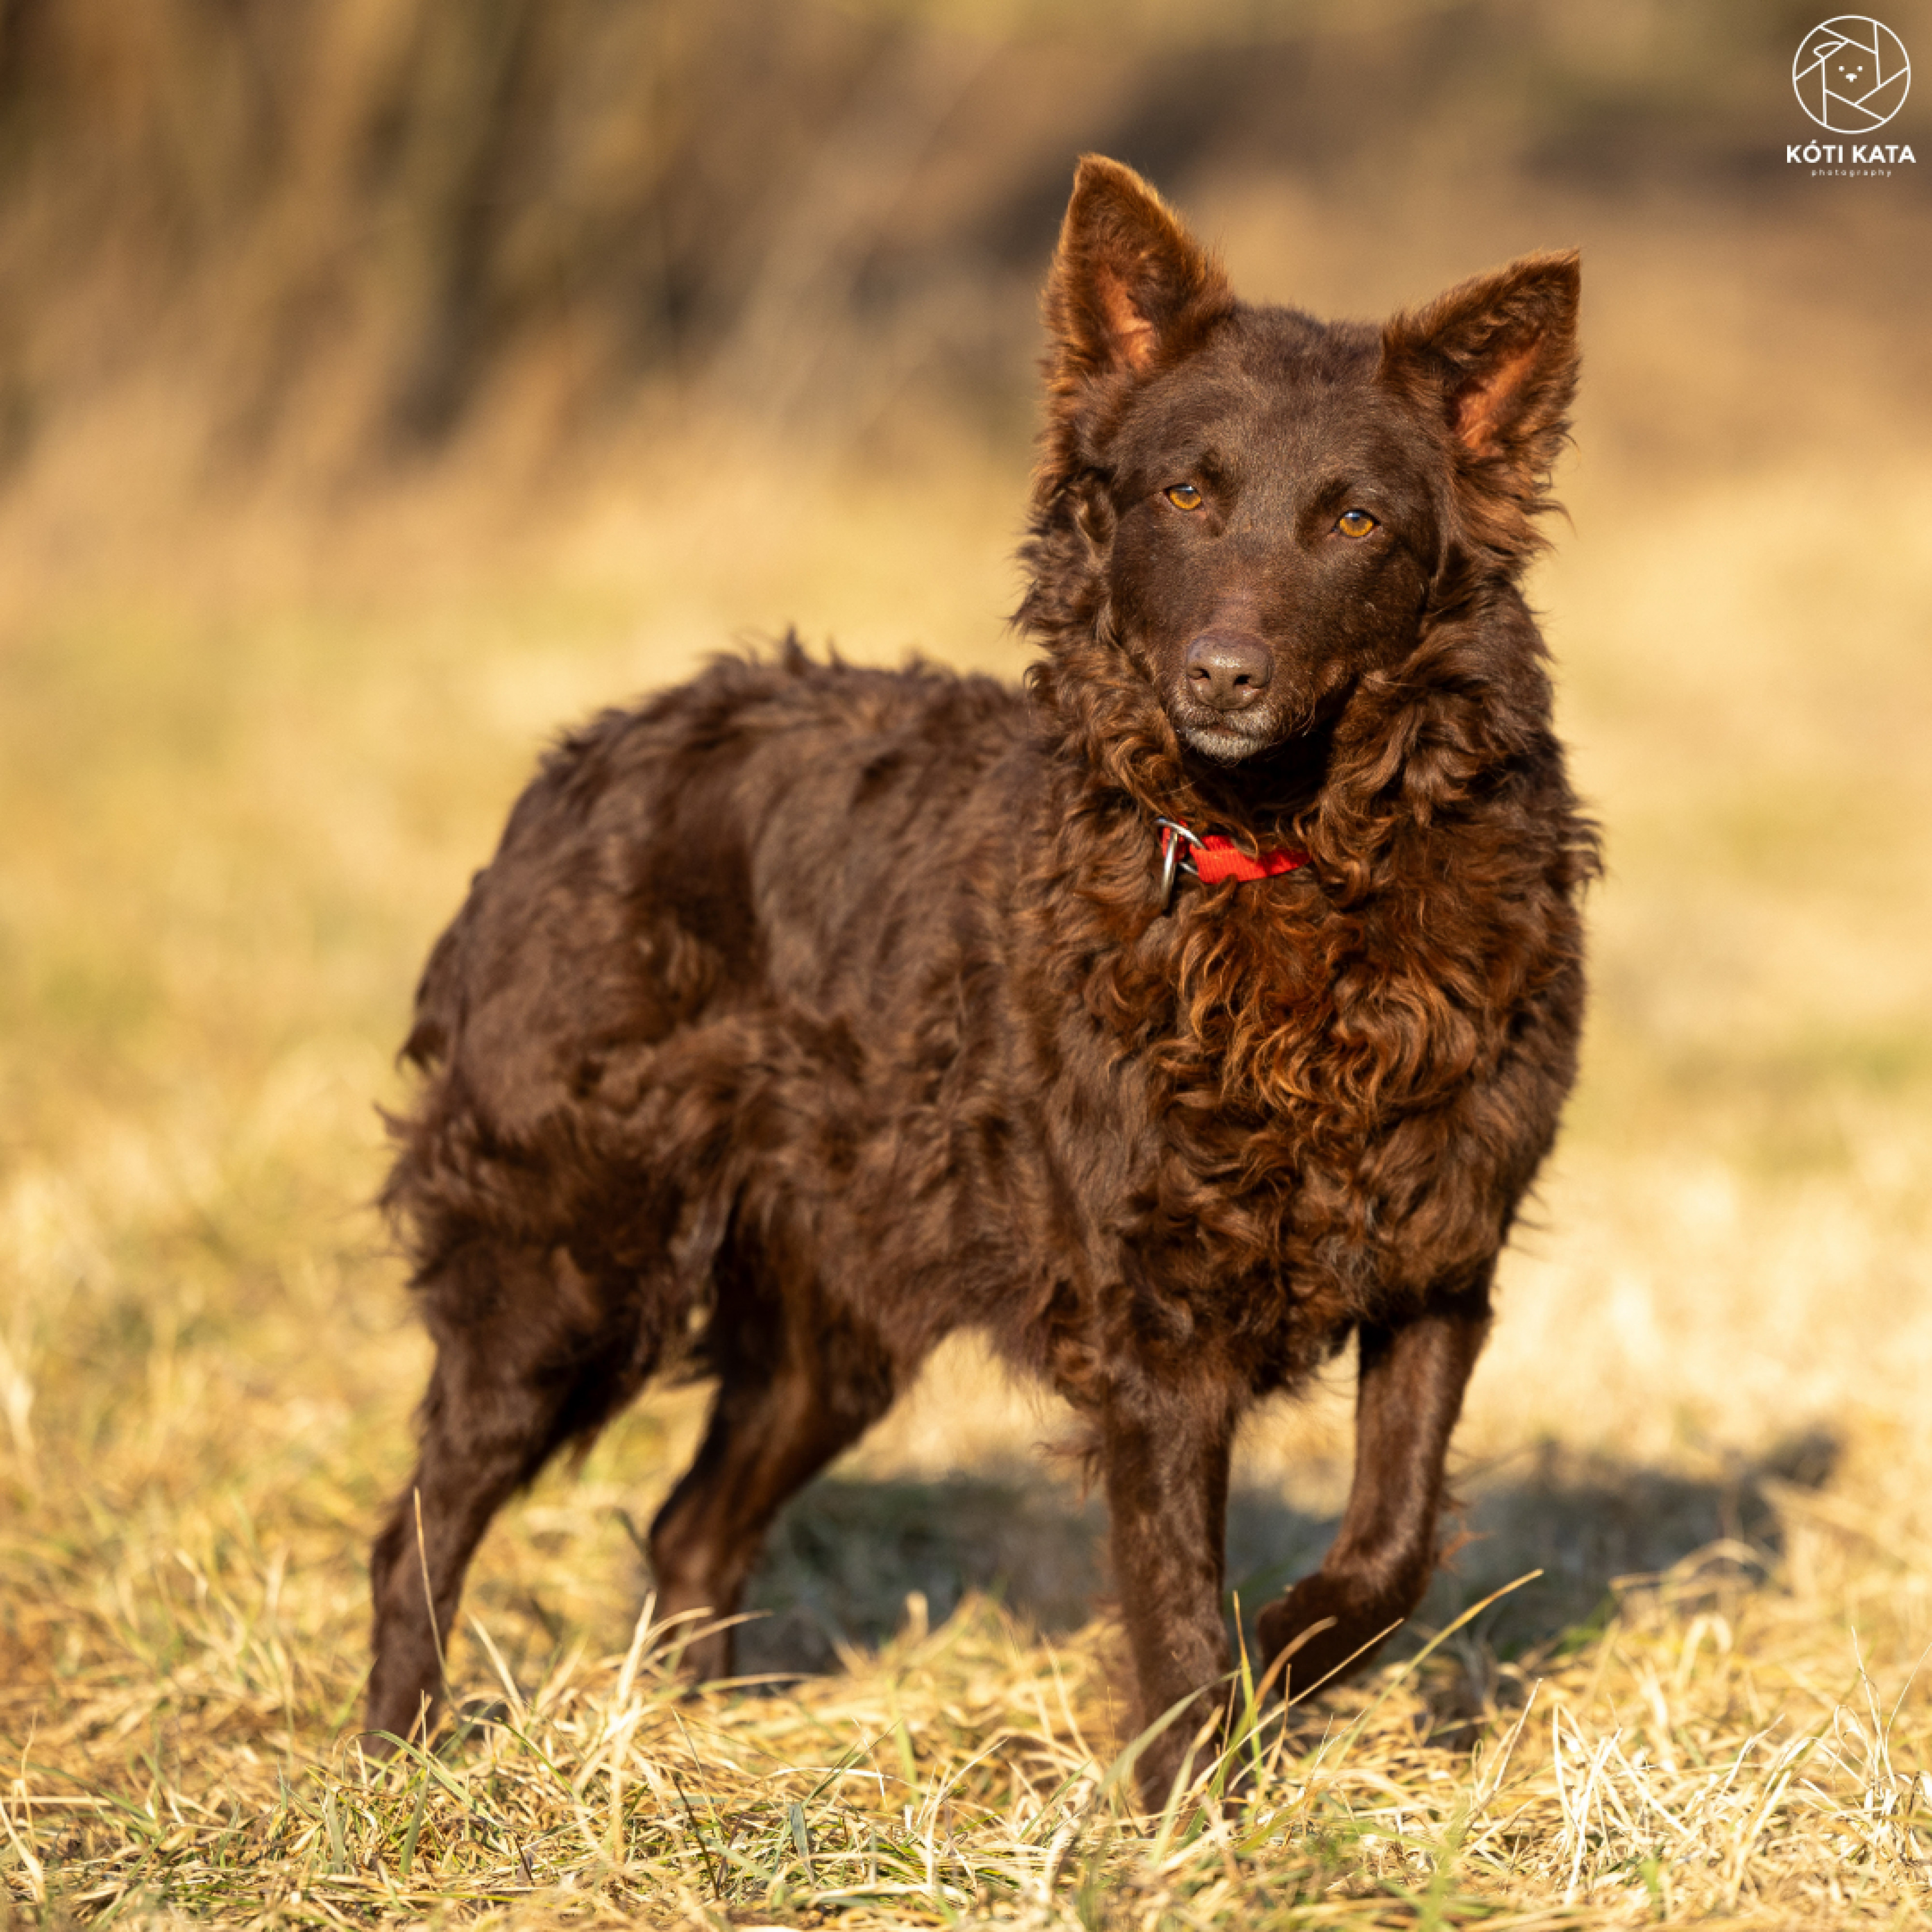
column 1167, row 1452
column 1410, row 1394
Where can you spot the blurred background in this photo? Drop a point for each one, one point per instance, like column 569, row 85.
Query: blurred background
column 384, row 384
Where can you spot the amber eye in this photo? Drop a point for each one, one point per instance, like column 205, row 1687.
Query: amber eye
column 1355, row 523
column 1185, row 496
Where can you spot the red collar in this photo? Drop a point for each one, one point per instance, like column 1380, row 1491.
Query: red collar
column 1213, row 857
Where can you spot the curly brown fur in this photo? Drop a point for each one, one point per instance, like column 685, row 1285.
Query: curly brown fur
column 806, row 1013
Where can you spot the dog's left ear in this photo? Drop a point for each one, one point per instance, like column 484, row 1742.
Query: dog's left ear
column 1497, row 357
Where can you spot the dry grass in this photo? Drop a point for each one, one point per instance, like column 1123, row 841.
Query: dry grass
column 183, row 1660
column 235, row 813
column 965, row 1773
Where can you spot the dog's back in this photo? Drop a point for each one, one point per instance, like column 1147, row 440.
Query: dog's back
column 716, row 927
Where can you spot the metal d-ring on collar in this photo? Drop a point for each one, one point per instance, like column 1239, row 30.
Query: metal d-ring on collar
column 1172, row 863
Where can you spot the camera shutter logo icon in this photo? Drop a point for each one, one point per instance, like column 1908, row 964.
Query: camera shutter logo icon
column 1852, row 74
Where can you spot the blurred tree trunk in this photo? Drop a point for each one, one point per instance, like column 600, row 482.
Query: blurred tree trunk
column 338, row 229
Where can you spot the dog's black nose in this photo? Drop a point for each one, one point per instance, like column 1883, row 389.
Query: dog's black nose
column 1227, row 669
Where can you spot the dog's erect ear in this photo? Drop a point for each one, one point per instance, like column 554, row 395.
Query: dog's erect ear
column 1497, row 356
column 1131, row 289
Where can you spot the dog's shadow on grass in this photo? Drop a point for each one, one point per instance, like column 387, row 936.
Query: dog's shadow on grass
column 850, row 1559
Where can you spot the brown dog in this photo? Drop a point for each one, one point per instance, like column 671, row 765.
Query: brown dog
column 1211, row 1000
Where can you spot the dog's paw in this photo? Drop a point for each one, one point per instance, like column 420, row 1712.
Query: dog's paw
column 1317, row 1633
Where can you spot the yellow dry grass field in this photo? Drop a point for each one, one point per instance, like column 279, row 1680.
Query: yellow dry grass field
column 242, row 782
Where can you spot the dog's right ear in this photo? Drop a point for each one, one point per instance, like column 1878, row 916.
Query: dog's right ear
column 1131, row 290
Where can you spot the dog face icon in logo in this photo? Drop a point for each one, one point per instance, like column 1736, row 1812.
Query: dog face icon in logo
column 1852, row 74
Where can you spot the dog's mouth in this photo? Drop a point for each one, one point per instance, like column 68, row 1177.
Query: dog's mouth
column 1231, row 734
column 1228, row 741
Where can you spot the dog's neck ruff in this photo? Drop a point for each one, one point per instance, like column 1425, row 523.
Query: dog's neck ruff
column 1212, row 857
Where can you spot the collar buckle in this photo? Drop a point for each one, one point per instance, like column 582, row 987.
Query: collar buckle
column 1174, row 860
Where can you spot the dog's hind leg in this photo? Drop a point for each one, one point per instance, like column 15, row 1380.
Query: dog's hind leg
column 796, row 1385
column 530, row 1355
column 1407, row 1399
